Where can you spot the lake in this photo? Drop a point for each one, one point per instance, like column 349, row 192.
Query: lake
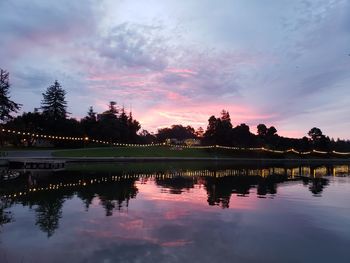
column 176, row 212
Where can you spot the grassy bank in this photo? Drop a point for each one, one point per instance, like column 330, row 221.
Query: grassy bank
column 166, row 151
column 162, row 151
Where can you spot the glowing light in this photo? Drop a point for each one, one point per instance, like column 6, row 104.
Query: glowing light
column 164, row 144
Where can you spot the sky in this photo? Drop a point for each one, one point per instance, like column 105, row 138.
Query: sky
column 278, row 62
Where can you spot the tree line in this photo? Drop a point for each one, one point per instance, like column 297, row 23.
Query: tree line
column 52, row 117
column 115, row 124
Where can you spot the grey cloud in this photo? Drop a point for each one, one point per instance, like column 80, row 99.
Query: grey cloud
column 171, row 78
column 33, row 79
column 321, row 82
column 289, row 49
column 41, row 19
column 134, row 46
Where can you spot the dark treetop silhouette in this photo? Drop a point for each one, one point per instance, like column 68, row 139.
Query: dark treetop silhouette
column 116, row 125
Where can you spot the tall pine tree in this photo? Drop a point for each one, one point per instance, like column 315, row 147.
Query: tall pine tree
column 91, row 115
column 54, row 104
column 89, row 123
column 7, row 106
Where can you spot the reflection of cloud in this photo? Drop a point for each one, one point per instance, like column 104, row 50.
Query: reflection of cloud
column 132, row 252
column 176, row 243
column 136, row 224
column 170, row 215
column 161, row 227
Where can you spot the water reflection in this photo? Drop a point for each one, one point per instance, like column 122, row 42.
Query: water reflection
column 5, row 215
column 175, row 213
column 45, row 192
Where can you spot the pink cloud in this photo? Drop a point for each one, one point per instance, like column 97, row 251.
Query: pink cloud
column 291, row 133
column 173, row 96
column 135, row 84
column 115, row 76
column 182, row 72
column 197, row 114
column 187, row 92
column 176, row 243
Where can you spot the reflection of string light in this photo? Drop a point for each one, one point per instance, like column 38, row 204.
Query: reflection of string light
column 291, row 173
column 87, row 139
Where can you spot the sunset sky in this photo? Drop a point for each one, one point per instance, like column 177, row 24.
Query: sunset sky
column 279, row 62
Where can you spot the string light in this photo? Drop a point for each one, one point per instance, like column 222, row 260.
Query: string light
column 87, row 139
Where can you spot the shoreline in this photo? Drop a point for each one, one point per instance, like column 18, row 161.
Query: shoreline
column 167, row 159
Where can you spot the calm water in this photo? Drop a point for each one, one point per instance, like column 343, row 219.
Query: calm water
column 177, row 213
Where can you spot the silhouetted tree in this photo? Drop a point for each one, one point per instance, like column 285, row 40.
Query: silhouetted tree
column 123, row 126
column 32, row 122
column 199, row 132
column 219, row 130
column 315, row 134
column 89, row 123
column 54, row 104
column 271, row 131
column 91, row 115
column 133, row 127
column 262, row 130
column 117, row 125
column 113, row 108
column 7, row 106
column 319, row 140
column 242, row 136
column 210, row 134
column 226, row 119
column 108, row 125
column 146, row 137
column 178, row 132
column 304, row 144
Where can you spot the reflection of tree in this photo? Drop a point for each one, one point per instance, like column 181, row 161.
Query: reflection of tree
column 48, row 214
column 86, row 194
column 316, row 185
column 114, row 191
column 177, row 184
column 268, row 185
column 220, row 189
column 112, row 196
column 5, row 216
column 219, row 192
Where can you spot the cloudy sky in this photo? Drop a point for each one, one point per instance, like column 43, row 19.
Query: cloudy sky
column 279, row 62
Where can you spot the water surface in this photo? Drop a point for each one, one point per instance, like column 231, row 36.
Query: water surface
column 177, row 213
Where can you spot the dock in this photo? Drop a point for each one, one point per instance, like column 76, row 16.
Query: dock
column 36, row 164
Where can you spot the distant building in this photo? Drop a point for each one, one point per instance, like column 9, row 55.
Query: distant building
column 42, row 143
column 192, row 142
column 173, row 141
column 187, row 142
